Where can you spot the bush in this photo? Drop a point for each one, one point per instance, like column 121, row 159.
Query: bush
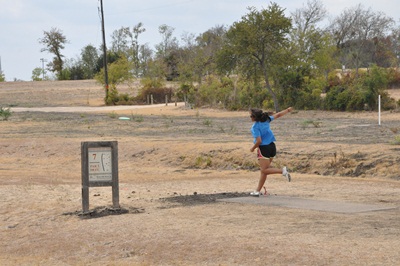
column 157, row 93
column 360, row 94
column 5, row 113
column 393, row 77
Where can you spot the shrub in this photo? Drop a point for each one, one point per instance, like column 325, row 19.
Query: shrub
column 393, row 77
column 157, row 93
column 5, row 113
column 396, row 140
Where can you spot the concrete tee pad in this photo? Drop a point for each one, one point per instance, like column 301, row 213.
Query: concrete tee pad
column 308, row 204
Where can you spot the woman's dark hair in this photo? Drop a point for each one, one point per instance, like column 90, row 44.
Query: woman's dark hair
column 259, row 115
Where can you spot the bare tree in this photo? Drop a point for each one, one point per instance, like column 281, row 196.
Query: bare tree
column 126, row 42
column 307, row 38
column 354, row 29
column 167, row 51
column 119, row 42
column 168, row 43
column 306, row 18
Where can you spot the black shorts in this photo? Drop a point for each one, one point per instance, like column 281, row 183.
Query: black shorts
column 266, row 151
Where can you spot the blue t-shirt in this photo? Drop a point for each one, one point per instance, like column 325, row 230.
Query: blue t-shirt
column 263, row 130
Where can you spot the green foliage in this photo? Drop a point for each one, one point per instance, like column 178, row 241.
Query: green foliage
column 138, row 118
column 251, row 95
column 393, row 78
column 203, row 162
column 214, row 92
column 184, row 90
column 373, row 84
column 258, row 42
column 116, row 98
column 207, row 122
column 113, row 115
column 37, row 74
column 54, row 42
column 118, row 72
column 344, row 99
column 5, row 113
column 308, row 122
column 89, row 56
column 154, row 88
column 157, row 94
column 227, row 93
column 2, row 77
column 396, row 140
column 111, row 58
column 75, row 72
column 148, row 83
column 352, row 94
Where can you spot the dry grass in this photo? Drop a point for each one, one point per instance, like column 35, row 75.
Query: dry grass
column 169, row 151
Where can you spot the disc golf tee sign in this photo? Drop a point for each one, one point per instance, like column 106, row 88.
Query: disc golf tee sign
column 99, row 169
column 100, row 164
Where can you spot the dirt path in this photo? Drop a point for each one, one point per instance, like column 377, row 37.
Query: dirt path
column 93, row 109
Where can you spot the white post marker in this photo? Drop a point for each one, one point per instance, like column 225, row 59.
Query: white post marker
column 379, row 110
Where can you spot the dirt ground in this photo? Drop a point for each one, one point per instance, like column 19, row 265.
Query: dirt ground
column 174, row 163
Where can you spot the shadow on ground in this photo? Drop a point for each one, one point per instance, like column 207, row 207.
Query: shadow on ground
column 198, row 199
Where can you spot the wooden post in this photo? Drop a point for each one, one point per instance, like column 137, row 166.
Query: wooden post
column 379, row 110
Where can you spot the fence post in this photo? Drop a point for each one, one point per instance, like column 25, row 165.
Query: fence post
column 379, row 110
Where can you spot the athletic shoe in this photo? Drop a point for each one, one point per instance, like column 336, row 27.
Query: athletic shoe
column 286, row 174
column 255, row 193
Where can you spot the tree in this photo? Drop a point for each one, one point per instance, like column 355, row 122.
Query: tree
column 168, row 42
column 119, row 43
column 89, row 57
column 54, row 42
column 118, row 72
column 37, row 74
column 166, row 51
column 145, row 56
column 198, row 55
column 136, row 48
column 126, row 43
column 306, row 36
column 259, row 41
column 313, row 52
column 395, row 46
column 354, row 29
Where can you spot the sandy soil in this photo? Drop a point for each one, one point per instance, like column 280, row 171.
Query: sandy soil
column 194, row 156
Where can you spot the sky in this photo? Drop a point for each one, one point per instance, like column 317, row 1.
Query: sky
column 22, row 23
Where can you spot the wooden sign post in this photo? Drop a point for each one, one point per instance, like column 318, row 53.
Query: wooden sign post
column 99, row 169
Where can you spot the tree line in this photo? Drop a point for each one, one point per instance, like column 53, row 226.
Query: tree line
column 266, row 59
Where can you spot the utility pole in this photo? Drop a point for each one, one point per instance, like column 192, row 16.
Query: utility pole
column 43, row 60
column 104, row 50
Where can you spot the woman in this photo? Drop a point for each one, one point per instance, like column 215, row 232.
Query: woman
column 264, row 143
